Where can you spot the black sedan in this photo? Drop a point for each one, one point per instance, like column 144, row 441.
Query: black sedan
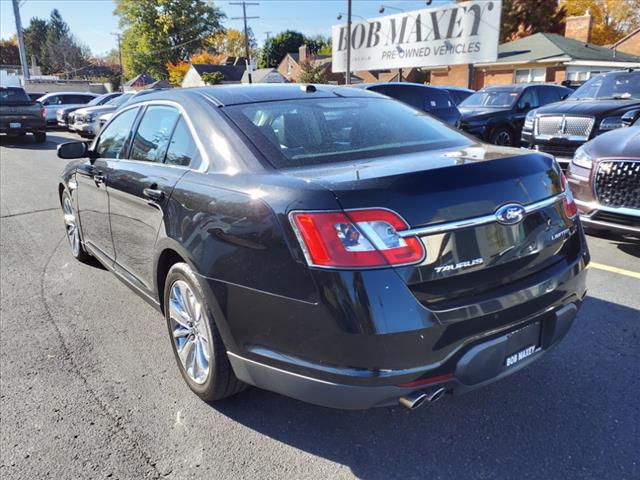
column 496, row 114
column 327, row 243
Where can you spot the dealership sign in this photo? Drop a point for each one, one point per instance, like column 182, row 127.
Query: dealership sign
column 457, row 33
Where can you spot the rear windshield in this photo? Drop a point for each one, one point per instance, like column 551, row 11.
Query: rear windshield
column 316, row 131
column 620, row 85
column 14, row 96
column 491, row 99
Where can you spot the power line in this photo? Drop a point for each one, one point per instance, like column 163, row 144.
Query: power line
column 246, row 31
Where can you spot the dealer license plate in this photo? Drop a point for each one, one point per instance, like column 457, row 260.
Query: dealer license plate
column 15, row 125
column 522, row 343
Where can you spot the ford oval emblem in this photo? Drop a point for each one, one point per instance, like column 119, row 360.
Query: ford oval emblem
column 510, row 214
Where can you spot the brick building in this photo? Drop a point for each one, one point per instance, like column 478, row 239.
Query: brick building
column 544, row 57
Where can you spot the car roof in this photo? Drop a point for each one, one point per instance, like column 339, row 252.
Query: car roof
column 453, row 87
column 70, row 93
column 225, row 95
column 366, row 86
column 517, row 87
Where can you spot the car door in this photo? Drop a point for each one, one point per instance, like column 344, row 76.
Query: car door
column 51, row 105
column 92, row 179
column 139, row 191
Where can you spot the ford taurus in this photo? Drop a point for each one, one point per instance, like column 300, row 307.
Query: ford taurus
column 327, row 243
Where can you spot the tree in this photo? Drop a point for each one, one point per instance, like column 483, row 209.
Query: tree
column 231, row 43
column 521, row 18
column 312, row 73
column 277, row 47
column 212, row 78
column 35, row 38
column 612, row 20
column 161, row 31
column 177, row 71
column 9, row 52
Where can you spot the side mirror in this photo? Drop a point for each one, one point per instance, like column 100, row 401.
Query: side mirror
column 73, row 150
column 630, row 117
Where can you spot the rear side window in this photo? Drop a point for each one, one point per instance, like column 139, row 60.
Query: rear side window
column 529, row 96
column 13, row 96
column 317, row 131
column 437, row 99
column 548, row 95
column 182, row 148
column 113, row 138
column 408, row 95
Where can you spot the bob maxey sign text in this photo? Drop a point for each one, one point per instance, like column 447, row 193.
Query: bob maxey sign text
column 460, row 33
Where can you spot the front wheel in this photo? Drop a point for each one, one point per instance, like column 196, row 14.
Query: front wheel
column 40, row 137
column 502, row 136
column 72, row 230
column 196, row 341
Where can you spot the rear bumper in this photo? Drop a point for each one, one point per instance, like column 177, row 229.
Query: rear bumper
column 481, row 364
column 25, row 126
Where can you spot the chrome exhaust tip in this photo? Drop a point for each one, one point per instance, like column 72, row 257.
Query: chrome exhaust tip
column 435, row 395
column 413, row 400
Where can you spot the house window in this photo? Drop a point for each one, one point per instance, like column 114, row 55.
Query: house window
column 528, row 75
column 583, row 73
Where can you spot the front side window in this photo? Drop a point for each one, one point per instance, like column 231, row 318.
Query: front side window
column 53, row 100
column 111, row 143
column 529, row 97
column 316, row 131
column 152, row 137
column 182, row 148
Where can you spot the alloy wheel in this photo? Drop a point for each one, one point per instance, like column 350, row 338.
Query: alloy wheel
column 503, row 138
column 190, row 331
column 71, row 225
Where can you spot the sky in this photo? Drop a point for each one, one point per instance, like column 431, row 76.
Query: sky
column 92, row 21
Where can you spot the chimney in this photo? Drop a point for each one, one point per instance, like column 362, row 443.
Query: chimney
column 304, row 54
column 579, row 28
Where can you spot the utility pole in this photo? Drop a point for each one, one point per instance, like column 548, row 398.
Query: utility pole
column 269, row 36
column 246, row 31
column 23, row 51
column 119, row 36
column 348, row 77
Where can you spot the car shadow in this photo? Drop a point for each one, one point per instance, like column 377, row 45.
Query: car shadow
column 28, row 141
column 625, row 243
column 543, row 419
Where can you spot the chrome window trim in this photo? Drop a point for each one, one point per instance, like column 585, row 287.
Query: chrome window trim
column 476, row 221
column 204, row 163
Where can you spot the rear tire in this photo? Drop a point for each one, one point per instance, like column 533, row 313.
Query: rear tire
column 503, row 136
column 40, row 137
column 197, row 345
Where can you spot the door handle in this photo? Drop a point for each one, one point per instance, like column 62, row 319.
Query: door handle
column 153, row 194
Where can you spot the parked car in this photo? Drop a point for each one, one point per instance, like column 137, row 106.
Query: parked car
column 327, row 243
column 55, row 100
column 432, row 100
column 34, row 96
column 86, row 121
column 605, row 179
column 594, row 108
column 20, row 115
column 496, row 114
column 62, row 115
column 458, row 94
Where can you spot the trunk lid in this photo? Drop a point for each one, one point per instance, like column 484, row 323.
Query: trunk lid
column 438, row 188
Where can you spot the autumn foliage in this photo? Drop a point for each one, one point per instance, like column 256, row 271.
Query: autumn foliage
column 177, row 71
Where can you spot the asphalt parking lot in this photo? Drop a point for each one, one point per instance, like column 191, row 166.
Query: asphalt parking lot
column 89, row 387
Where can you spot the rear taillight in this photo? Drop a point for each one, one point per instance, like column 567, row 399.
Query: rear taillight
column 355, row 239
column 42, row 113
column 569, row 204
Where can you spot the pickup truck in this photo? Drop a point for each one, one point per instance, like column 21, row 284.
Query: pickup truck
column 19, row 114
